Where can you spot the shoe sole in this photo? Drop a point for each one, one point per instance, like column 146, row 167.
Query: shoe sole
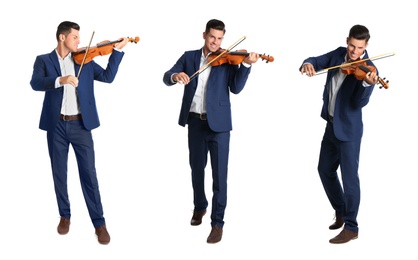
column 344, row 242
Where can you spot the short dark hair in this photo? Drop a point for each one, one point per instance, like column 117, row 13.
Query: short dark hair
column 359, row 32
column 215, row 24
column 65, row 28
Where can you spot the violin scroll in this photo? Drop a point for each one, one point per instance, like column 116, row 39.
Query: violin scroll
column 384, row 83
column 267, row 58
column 134, row 40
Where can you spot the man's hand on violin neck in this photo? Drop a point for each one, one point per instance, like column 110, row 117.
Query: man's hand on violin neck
column 121, row 44
column 252, row 58
column 371, row 78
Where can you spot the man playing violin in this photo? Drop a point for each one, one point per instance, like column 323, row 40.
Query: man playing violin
column 68, row 115
column 344, row 97
column 206, row 109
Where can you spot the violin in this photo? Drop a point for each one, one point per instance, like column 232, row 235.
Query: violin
column 233, row 58
column 101, row 49
column 360, row 70
column 228, row 57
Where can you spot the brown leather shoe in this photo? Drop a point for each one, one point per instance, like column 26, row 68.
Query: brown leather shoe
column 102, row 235
column 344, row 236
column 339, row 222
column 63, row 226
column 215, row 235
column 197, row 217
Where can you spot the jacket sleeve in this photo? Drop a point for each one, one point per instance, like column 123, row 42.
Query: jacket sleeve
column 239, row 79
column 178, row 67
column 42, row 79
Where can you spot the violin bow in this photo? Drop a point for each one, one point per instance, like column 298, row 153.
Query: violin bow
column 217, row 57
column 85, row 55
column 357, row 61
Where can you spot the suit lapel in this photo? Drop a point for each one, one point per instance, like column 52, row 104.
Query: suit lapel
column 54, row 58
column 197, row 56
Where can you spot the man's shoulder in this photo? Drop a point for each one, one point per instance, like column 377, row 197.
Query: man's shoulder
column 192, row 52
column 45, row 55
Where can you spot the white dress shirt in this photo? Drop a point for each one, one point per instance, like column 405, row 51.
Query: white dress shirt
column 70, row 104
column 199, row 99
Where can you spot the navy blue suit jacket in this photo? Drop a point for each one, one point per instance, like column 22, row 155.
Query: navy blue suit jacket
column 351, row 98
column 223, row 79
column 46, row 69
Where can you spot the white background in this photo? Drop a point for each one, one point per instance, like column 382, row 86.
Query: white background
column 277, row 208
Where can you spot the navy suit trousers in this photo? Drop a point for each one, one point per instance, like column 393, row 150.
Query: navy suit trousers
column 201, row 141
column 345, row 198
column 59, row 140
